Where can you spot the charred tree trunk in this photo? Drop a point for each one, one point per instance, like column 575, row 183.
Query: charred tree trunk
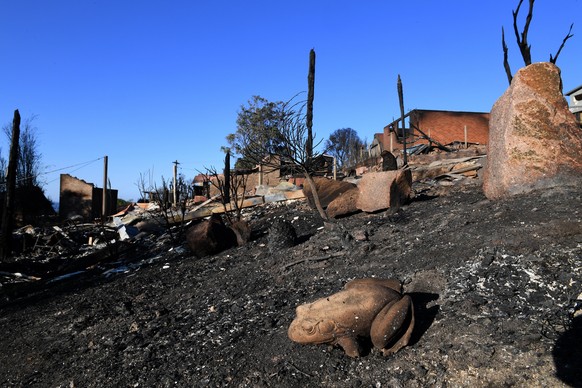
column 226, row 193
column 505, row 57
column 524, row 46
column 308, row 170
column 521, row 38
column 309, row 113
column 401, row 101
column 8, row 210
column 316, row 200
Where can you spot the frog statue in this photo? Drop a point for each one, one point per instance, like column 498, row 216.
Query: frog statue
column 374, row 308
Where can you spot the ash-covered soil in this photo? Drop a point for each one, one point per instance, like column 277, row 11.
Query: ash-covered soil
column 495, row 286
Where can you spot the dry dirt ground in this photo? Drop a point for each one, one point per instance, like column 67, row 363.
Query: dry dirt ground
column 495, row 286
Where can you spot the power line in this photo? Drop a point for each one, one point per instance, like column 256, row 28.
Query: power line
column 74, row 165
column 79, row 165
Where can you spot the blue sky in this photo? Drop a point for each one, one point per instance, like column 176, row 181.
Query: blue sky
column 150, row 82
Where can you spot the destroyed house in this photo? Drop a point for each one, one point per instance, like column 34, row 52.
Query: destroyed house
column 575, row 103
column 437, row 128
column 207, row 185
column 279, row 168
column 80, row 198
column 377, row 145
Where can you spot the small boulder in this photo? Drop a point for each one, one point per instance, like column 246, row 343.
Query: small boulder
column 534, row 140
column 210, row 237
column 360, row 235
column 383, row 190
column 242, row 230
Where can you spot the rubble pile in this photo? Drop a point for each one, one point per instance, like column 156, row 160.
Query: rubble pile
column 74, row 251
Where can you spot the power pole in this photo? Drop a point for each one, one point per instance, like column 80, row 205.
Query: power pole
column 104, row 196
column 176, row 182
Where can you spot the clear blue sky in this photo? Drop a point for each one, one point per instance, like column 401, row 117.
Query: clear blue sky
column 150, row 82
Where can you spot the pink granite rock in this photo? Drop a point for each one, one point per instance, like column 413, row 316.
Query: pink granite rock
column 534, row 140
column 383, row 190
column 327, row 189
column 344, row 204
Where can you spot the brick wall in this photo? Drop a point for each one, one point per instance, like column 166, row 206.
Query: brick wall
column 445, row 127
column 76, row 197
column 389, row 137
column 81, row 198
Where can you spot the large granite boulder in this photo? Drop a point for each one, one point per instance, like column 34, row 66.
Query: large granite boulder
column 534, row 140
column 383, row 190
column 327, row 189
column 344, row 204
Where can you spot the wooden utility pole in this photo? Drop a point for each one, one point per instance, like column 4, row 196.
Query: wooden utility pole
column 401, row 101
column 104, row 207
column 7, row 214
column 175, row 182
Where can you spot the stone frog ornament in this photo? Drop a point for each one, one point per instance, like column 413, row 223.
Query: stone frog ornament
column 374, row 308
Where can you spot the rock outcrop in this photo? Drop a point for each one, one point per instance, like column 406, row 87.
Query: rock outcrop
column 534, row 140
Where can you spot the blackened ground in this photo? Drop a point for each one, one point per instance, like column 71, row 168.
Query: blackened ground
column 495, row 286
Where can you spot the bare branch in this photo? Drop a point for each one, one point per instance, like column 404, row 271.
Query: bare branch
column 233, row 199
column 524, row 47
column 505, row 57
column 554, row 59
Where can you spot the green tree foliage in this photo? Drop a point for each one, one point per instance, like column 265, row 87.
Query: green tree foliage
column 292, row 148
column 283, row 129
column 257, row 122
column 345, row 145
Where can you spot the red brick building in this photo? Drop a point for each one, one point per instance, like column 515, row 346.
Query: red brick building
column 424, row 126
